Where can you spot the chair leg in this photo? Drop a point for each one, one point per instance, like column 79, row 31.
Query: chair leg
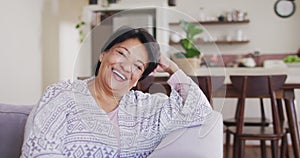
column 236, row 145
column 263, row 148
column 284, row 146
column 227, row 144
column 274, row 146
column 242, row 148
column 287, row 155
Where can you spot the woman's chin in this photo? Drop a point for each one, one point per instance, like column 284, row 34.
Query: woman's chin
column 120, row 88
column 118, row 93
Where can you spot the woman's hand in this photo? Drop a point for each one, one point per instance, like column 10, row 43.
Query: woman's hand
column 166, row 65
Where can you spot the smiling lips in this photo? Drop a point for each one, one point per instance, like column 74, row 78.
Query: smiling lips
column 120, row 75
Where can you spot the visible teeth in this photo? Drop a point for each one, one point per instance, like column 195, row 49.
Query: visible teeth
column 119, row 74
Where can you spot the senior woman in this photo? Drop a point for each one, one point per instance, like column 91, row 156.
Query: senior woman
column 103, row 117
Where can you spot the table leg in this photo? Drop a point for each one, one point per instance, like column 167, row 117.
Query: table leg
column 292, row 121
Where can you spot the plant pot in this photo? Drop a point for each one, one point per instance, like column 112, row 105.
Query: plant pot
column 188, row 65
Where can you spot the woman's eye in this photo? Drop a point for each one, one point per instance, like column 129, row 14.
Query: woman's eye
column 139, row 67
column 123, row 54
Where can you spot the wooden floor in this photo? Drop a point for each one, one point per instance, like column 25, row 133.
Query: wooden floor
column 254, row 152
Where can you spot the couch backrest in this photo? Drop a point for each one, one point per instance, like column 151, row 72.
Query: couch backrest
column 12, row 123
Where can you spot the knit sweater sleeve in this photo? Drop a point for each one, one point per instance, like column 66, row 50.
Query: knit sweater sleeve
column 187, row 105
column 45, row 125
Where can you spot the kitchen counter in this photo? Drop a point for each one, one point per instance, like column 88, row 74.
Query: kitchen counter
column 292, row 72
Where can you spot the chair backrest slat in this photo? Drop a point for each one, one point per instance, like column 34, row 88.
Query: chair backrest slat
column 258, row 85
column 209, row 84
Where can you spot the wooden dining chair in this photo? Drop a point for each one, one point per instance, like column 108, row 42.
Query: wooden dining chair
column 256, row 87
column 209, row 85
column 248, row 121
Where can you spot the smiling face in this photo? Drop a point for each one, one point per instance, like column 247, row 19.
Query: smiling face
column 122, row 66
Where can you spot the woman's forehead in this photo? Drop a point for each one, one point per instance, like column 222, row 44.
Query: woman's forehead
column 134, row 47
column 132, row 43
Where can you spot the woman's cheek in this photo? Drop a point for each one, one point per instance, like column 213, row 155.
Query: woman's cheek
column 117, row 58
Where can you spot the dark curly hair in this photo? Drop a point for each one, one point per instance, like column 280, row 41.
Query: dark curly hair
column 125, row 33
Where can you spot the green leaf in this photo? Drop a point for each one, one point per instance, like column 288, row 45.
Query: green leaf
column 77, row 26
column 193, row 31
column 186, row 44
column 291, row 59
column 184, row 25
column 190, row 29
column 192, row 52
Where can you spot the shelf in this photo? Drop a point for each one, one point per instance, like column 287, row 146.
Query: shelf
column 232, row 42
column 217, row 42
column 215, row 22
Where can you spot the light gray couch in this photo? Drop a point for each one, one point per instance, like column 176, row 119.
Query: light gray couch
column 204, row 141
column 12, row 123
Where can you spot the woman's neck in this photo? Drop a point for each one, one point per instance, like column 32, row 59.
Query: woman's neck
column 104, row 98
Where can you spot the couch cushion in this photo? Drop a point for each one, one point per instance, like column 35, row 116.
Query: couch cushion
column 205, row 141
column 12, row 122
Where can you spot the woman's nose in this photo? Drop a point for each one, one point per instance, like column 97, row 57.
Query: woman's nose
column 127, row 66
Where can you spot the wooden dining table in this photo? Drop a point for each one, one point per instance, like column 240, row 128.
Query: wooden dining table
column 287, row 92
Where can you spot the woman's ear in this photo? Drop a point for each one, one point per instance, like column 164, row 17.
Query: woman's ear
column 101, row 56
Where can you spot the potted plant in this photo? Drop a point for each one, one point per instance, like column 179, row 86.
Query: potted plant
column 191, row 57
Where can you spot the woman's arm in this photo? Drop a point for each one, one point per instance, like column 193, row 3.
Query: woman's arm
column 187, row 104
column 166, row 65
column 45, row 127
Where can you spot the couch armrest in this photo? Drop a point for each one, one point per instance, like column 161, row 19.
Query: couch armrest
column 12, row 122
column 205, row 141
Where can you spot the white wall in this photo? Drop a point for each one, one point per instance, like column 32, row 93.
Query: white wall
column 20, row 51
column 32, row 46
column 60, row 39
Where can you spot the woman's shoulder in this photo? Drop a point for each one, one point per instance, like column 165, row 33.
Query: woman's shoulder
column 65, row 90
column 59, row 87
column 62, row 84
column 55, row 89
column 67, row 86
